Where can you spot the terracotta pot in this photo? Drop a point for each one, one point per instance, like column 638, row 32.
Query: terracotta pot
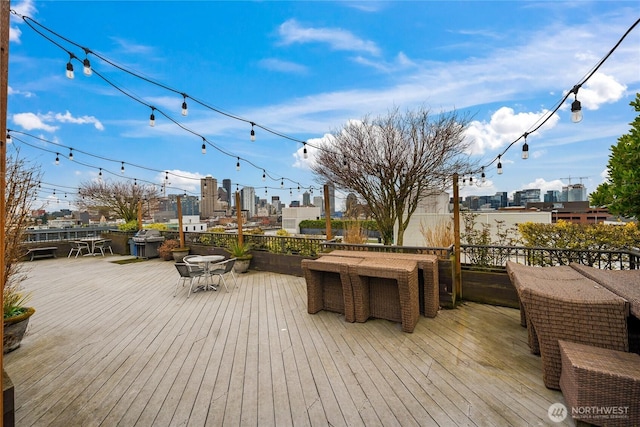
column 14, row 329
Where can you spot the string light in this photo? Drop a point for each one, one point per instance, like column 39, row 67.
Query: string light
column 264, row 175
column 184, row 104
column 253, row 132
column 152, row 117
column 8, row 140
column 525, row 148
column 86, row 67
column 238, row 164
column 122, row 168
column 204, row 147
column 71, row 154
column 483, row 176
column 57, row 159
column 282, row 183
column 470, row 181
column 100, row 174
column 69, row 72
column 499, row 164
column 576, row 107
column 304, row 151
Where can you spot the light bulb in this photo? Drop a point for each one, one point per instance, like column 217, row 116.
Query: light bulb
column 499, row 166
column 204, row 148
column 8, row 140
column 264, row 175
column 152, row 119
column 253, row 133
column 71, row 154
column 122, row 168
column 304, row 152
column 86, row 67
column 576, row 111
column 282, row 183
column 525, row 151
column 184, row 107
column 57, row 159
column 483, row 176
column 70, row 70
column 238, row 164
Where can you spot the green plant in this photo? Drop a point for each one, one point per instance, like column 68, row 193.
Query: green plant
column 166, row 247
column 240, row 250
column 14, row 301
column 283, row 233
column 129, row 226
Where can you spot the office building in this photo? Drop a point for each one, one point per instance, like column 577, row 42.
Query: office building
column 208, row 196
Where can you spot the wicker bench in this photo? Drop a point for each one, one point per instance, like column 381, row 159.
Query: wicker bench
column 386, row 289
column 329, row 285
column 600, row 386
column 428, row 280
column 48, row 252
column 562, row 304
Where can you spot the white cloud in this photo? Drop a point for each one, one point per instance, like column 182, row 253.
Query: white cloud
column 292, row 32
column 30, row 121
column 545, row 185
column 504, row 127
column 68, row 118
column 12, row 91
column 25, row 8
column 282, row 66
column 401, row 62
column 180, row 181
column 600, row 89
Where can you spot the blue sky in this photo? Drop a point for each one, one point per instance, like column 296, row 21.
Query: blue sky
column 304, row 69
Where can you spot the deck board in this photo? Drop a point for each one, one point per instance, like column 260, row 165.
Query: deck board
column 111, row 345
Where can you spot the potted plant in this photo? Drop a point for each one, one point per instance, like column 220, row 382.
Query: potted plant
column 179, row 253
column 16, row 316
column 166, row 248
column 242, row 253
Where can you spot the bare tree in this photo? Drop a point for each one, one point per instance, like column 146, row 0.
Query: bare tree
column 395, row 161
column 20, row 194
column 117, row 198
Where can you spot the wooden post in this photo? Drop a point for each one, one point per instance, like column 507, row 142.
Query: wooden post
column 327, row 211
column 181, row 231
column 456, row 236
column 4, row 86
column 239, row 218
column 139, row 214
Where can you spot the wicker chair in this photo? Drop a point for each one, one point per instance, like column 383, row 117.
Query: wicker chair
column 386, row 289
column 595, row 381
column 561, row 304
column 329, row 285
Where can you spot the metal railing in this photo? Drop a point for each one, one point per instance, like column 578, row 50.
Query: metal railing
column 497, row 256
column 65, row 234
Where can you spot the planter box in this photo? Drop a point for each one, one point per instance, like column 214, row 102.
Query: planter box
column 490, row 286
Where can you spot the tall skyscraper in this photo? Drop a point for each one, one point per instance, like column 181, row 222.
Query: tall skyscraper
column 226, row 184
column 306, row 198
column 208, row 196
column 248, row 201
column 574, row 193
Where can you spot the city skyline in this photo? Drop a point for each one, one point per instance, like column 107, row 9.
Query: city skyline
column 503, row 63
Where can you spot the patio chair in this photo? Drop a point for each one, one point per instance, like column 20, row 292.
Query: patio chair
column 222, row 268
column 102, row 246
column 78, row 247
column 187, row 271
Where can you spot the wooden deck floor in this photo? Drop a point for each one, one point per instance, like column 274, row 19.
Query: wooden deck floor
column 110, row 345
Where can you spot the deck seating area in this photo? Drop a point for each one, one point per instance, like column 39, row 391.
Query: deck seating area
column 110, row 345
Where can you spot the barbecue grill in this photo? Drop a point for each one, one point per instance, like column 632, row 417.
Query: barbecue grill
column 147, row 242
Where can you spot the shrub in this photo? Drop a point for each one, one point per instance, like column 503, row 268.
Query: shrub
column 165, row 249
column 129, row 226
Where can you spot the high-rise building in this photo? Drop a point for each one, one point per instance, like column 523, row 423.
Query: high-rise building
column 574, row 193
column 522, row 197
column 552, row 196
column 208, row 196
column 306, row 198
column 248, row 201
column 226, row 184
